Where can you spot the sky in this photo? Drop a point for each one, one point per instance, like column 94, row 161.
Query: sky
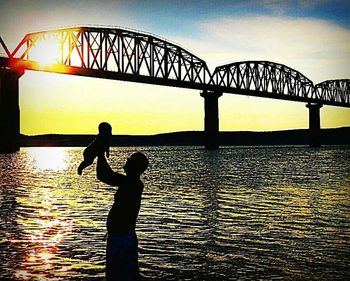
column 312, row 37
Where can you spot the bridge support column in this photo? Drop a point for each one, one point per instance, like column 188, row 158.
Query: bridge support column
column 211, row 119
column 9, row 111
column 314, row 124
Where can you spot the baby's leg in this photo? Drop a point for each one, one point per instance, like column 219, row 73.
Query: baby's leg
column 87, row 162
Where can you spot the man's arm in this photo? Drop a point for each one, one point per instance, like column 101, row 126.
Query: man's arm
column 107, row 151
column 105, row 173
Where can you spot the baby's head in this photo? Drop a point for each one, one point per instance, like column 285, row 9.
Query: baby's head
column 105, row 129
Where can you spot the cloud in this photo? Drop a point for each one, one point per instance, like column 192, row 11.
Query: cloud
column 279, row 7
column 319, row 49
column 276, row 6
column 314, row 3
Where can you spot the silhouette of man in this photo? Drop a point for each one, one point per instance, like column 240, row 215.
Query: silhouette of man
column 122, row 243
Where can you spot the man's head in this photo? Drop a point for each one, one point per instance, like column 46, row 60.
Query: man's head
column 105, row 128
column 136, row 164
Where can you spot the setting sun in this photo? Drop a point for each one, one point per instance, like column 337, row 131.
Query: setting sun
column 46, row 50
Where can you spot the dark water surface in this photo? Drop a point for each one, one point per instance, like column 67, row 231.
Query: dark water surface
column 238, row 213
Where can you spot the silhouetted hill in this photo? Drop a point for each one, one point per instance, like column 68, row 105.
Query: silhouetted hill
column 337, row 136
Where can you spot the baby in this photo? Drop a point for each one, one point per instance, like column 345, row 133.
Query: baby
column 100, row 143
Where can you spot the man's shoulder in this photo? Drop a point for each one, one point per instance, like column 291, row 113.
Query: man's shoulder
column 136, row 182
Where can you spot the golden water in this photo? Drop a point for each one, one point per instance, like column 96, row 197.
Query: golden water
column 238, row 213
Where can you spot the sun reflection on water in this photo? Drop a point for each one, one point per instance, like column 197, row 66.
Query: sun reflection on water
column 45, row 231
column 53, row 159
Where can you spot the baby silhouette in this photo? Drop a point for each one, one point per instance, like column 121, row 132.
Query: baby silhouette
column 100, row 143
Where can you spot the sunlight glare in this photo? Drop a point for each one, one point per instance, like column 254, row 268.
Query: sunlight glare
column 46, row 50
column 53, row 158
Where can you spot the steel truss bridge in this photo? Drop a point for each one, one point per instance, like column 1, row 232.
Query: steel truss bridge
column 122, row 54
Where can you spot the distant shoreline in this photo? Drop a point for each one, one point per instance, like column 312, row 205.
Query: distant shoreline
column 336, row 136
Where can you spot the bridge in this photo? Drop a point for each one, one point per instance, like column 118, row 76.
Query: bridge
column 128, row 55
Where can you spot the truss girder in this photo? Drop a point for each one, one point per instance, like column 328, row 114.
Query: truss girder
column 118, row 50
column 264, row 76
column 334, row 90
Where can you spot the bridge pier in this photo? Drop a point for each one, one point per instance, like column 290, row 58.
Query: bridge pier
column 211, row 119
column 9, row 111
column 314, row 124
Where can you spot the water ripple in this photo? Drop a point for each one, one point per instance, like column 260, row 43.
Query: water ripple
column 243, row 213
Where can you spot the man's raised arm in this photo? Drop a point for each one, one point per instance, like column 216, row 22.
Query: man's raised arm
column 105, row 173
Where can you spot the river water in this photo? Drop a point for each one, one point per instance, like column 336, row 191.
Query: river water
column 238, row 213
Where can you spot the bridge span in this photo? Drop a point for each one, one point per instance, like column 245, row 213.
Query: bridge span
column 123, row 54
